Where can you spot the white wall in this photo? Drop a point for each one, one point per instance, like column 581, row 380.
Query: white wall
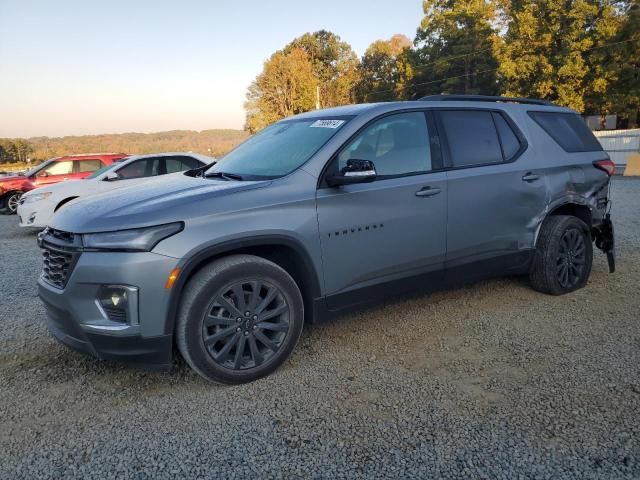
column 619, row 144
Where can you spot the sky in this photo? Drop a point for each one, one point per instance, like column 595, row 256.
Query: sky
column 72, row 67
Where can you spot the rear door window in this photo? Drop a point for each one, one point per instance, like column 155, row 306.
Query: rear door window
column 88, row 165
column 140, row 168
column 569, row 131
column 472, row 137
column 190, row 163
column 179, row 164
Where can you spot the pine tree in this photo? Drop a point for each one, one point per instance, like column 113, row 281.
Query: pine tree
column 549, row 50
column 455, row 44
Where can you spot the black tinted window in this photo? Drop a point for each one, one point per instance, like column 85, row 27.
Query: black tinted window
column 141, row 168
column 189, row 163
column 568, row 130
column 396, row 144
column 180, row 164
column 508, row 138
column 174, row 164
column 472, row 137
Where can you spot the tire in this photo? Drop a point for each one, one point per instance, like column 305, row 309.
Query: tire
column 564, row 255
column 10, row 202
column 216, row 336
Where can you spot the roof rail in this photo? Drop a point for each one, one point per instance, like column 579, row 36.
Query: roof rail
column 485, row 98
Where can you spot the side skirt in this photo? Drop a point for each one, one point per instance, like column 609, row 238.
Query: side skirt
column 516, row 263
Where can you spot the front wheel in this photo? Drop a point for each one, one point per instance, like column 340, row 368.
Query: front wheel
column 11, row 202
column 240, row 318
column 564, row 254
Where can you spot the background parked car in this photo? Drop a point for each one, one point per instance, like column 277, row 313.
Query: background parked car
column 37, row 207
column 54, row 170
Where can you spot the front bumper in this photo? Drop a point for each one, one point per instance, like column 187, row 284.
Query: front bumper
column 76, row 319
column 34, row 215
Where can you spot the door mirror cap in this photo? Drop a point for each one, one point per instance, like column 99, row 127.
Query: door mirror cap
column 111, row 176
column 42, row 174
column 356, row 171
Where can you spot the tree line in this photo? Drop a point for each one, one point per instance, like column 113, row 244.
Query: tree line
column 15, row 150
column 584, row 54
column 208, row 142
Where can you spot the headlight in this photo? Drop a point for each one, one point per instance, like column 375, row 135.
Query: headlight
column 36, row 197
column 134, row 240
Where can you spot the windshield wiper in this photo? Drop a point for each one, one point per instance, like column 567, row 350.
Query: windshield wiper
column 224, row 175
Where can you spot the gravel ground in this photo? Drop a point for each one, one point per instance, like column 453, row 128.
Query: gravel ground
column 491, row 381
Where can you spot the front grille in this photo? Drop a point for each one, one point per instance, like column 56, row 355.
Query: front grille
column 60, row 252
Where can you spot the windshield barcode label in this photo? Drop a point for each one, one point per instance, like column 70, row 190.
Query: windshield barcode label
column 327, row 123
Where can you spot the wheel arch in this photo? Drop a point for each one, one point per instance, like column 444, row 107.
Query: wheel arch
column 581, row 211
column 283, row 251
column 574, row 206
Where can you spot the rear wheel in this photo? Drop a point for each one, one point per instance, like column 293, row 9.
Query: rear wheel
column 564, row 254
column 239, row 319
column 11, row 202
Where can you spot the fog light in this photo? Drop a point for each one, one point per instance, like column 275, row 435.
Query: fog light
column 119, row 303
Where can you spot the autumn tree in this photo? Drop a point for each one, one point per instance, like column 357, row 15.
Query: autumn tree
column 334, row 64
column 455, row 44
column 23, row 150
column 385, row 70
column 550, row 50
column 8, row 151
column 286, row 86
column 621, row 62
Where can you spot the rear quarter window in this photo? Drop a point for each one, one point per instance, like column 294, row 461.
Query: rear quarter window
column 568, row 130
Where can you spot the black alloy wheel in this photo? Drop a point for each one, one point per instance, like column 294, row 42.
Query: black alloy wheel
column 571, row 258
column 240, row 318
column 245, row 324
column 563, row 255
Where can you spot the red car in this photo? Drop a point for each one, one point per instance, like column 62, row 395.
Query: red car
column 70, row 167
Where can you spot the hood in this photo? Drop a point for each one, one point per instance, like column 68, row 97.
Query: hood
column 5, row 177
column 164, row 199
column 88, row 186
column 68, row 187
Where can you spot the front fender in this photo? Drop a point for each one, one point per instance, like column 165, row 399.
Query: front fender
column 208, row 251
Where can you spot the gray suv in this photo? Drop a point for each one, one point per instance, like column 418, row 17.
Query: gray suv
column 320, row 212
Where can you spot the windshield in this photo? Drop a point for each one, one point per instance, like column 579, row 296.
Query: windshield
column 37, row 168
column 278, row 149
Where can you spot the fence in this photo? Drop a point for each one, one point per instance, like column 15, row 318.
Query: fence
column 620, row 144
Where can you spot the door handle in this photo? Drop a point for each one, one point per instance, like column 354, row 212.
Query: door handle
column 428, row 192
column 530, row 177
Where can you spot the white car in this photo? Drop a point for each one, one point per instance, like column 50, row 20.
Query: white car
column 38, row 206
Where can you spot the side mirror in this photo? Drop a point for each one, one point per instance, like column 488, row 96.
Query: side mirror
column 356, row 171
column 111, row 176
column 42, row 174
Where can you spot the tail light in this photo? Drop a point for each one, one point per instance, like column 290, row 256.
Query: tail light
column 606, row 166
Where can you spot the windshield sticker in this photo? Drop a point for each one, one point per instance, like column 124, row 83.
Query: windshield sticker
column 327, row 123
